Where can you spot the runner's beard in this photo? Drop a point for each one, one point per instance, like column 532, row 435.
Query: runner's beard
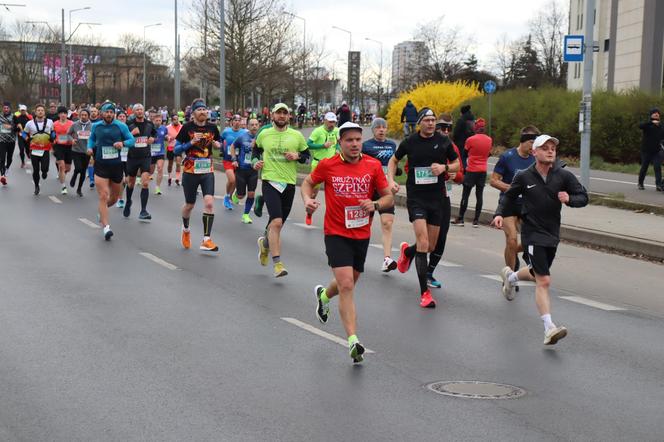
column 280, row 124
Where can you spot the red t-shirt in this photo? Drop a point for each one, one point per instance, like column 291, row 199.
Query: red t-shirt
column 479, row 149
column 61, row 130
column 345, row 185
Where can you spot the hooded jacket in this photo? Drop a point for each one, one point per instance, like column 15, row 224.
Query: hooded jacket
column 463, row 129
column 653, row 135
column 409, row 113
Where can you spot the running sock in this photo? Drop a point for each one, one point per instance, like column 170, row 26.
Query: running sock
column 548, row 324
column 434, row 259
column 185, row 222
column 421, row 267
column 208, row 219
column 81, row 178
column 248, row 204
column 352, row 340
column 145, row 194
column 410, row 251
column 91, row 171
column 130, row 191
column 513, row 278
column 323, row 297
column 276, row 259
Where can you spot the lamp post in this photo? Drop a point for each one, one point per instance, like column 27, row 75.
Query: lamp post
column 13, row 5
column 350, row 48
column 176, row 64
column 69, row 65
column 380, row 73
column 304, row 54
column 222, row 61
column 350, row 36
column 145, row 60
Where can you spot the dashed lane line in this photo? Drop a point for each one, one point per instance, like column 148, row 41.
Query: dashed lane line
column 321, row 333
column 55, row 199
column 441, row 263
column 591, row 303
column 499, row 279
column 89, row 223
column 306, row 226
column 158, row 260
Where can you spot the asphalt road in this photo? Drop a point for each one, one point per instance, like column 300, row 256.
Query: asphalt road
column 99, row 342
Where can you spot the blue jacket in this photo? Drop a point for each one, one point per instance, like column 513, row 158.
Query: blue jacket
column 409, row 113
column 105, row 135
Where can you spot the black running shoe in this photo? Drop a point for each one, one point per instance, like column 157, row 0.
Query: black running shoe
column 322, row 309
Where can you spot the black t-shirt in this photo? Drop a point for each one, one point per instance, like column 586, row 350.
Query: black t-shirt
column 146, row 130
column 203, row 149
column 422, row 153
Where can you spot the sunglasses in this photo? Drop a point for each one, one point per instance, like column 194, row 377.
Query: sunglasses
column 444, row 127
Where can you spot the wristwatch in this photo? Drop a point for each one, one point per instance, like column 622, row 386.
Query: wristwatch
column 376, row 205
column 447, row 167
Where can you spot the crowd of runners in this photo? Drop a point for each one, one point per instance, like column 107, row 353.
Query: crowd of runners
column 359, row 177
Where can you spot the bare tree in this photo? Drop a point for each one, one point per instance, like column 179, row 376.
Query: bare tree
column 548, row 29
column 447, row 47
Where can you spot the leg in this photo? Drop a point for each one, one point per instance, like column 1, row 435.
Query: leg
column 511, row 240
column 645, row 162
column 103, row 190
column 10, row 155
column 656, row 164
column 437, row 254
column 542, row 283
column 115, row 193
column 464, row 201
column 343, row 285
column 386, row 222
column 230, row 181
column 274, row 236
column 160, row 172
column 3, row 158
column 36, row 164
column 22, row 148
column 479, row 193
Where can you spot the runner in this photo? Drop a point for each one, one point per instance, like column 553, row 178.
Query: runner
column 430, row 155
column 173, row 130
column 157, row 150
column 138, row 158
column 62, row 147
column 38, row 133
column 509, row 164
column 94, row 117
column 276, row 151
column 228, row 136
column 545, row 186
column 349, row 211
column 8, row 127
column 196, row 140
column 80, row 133
column 247, row 177
column 259, row 202
column 383, row 149
column 21, row 122
column 322, row 144
column 107, row 138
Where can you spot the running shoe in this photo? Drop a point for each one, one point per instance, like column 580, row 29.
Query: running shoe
column 170, row 181
column 157, row 191
column 177, row 182
column 427, row 301
column 517, row 264
column 3, row 180
column 108, row 233
column 280, row 270
column 37, row 189
column 227, row 203
column 258, row 206
column 457, row 222
column 45, row 175
column 92, row 184
column 554, row 335
column 79, row 193
column 308, row 219
column 63, row 191
column 476, row 224
column 209, row 246
column 235, row 199
column 127, row 209
column 322, row 309
column 246, row 219
column 186, row 238
column 403, row 263
column 144, row 216
column 356, row 352
column 433, row 282
column 120, row 204
column 262, row 251
column 388, row 265
column 72, row 182
column 508, row 288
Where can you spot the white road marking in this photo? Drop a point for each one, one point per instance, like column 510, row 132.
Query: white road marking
column 29, row 172
column 591, row 303
column 217, row 197
column 158, row 260
column 306, row 226
column 321, row 333
column 89, row 223
column 441, row 263
column 55, row 199
column 380, row 246
column 499, row 279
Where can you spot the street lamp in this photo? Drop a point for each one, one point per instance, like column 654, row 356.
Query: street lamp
column 304, row 54
column 71, row 81
column 380, row 73
column 350, row 36
column 13, row 5
column 145, row 59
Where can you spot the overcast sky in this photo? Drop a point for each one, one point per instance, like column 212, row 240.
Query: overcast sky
column 389, row 21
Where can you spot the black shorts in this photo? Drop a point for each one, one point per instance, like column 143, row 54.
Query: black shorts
column 346, row 252
column 170, row 155
column 539, row 259
column 62, row 153
column 111, row 172
column 134, row 164
column 246, row 180
column 513, row 210
column 279, row 204
column 474, row 179
column 388, row 210
column 153, row 160
column 190, row 183
column 428, row 207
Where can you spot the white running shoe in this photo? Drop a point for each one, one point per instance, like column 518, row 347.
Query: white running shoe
column 388, row 265
column 508, row 288
column 553, row 335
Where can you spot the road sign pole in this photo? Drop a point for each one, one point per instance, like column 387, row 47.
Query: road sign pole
column 587, row 93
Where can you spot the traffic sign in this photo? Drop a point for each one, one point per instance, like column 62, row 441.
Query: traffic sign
column 489, row 86
column 573, row 51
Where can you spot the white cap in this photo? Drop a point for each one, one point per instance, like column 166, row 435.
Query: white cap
column 330, row 116
column 348, row 125
column 539, row 141
column 22, row 107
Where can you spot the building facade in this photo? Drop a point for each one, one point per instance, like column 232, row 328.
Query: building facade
column 408, row 59
column 630, row 34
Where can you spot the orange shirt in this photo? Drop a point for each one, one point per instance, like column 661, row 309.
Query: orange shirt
column 61, row 130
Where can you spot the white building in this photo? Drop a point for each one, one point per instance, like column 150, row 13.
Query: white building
column 408, row 58
column 630, row 34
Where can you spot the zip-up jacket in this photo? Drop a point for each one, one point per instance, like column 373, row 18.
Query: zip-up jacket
column 105, row 134
column 653, row 135
column 7, row 128
column 541, row 207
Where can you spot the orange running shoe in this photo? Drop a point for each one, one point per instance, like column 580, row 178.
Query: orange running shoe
column 209, row 246
column 186, row 239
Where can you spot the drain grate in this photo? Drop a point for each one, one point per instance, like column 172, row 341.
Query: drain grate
column 476, row 390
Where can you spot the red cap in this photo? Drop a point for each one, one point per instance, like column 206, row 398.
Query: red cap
column 479, row 124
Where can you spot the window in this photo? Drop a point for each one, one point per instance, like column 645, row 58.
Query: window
column 606, row 45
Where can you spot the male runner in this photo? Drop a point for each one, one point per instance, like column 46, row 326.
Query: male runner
column 276, row 151
column 196, row 140
column 107, row 139
column 545, row 186
column 383, row 149
column 430, row 156
column 173, row 130
column 80, row 133
column 94, row 117
column 228, row 136
column 247, row 177
column 322, row 144
column 351, row 181
column 8, row 127
column 63, row 145
column 139, row 158
column 21, row 121
column 39, row 134
column 157, row 151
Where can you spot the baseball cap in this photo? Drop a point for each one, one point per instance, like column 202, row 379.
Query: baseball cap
column 22, row 107
column 280, row 106
column 539, row 141
column 348, row 126
column 330, row 116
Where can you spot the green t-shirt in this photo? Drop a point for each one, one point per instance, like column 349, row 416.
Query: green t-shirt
column 274, row 145
column 318, row 138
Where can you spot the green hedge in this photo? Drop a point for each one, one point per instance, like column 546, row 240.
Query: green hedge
column 615, row 138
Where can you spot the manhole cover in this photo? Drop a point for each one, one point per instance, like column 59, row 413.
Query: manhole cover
column 476, row 390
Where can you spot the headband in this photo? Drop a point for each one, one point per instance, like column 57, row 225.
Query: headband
column 527, row 137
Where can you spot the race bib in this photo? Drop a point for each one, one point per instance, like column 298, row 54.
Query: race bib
column 5, row 129
column 83, row 134
column 124, row 153
column 155, row 149
column 202, row 165
column 448, row 187
column 63, row 139
column 141, row 142
column 356, row 217
column 279, row 186
column 424, row 175
column 247, row 160
column 109, row 153
column 37, row 153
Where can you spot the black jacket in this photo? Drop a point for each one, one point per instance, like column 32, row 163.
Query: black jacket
column 541, row 207
column 409, row 113
column 463, row 129
column 653, row 135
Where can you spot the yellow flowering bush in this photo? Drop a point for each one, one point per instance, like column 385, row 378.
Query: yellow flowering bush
column 440, row 97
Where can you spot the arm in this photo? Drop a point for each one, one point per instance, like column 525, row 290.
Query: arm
column 92, row 141
column 512, row 194
column 313, row 145
column 306, row 191
column 180, row 147
column 577, row 196
column 497, row 182
column 128, row 139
